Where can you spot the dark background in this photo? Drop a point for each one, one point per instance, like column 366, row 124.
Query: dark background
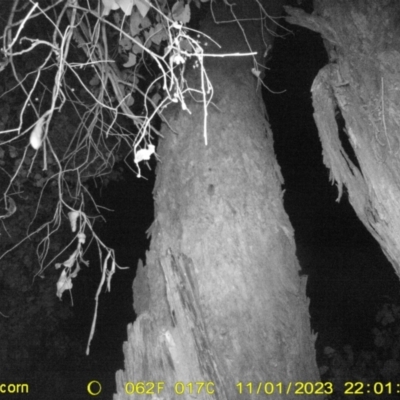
column 349, row 277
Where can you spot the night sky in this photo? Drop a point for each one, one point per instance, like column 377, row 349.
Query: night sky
column 349, row 278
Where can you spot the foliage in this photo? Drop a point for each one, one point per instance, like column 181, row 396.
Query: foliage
column 32, row 318
column 382, row 364
column 85, row 85
column 82, row 84
column 75, row 99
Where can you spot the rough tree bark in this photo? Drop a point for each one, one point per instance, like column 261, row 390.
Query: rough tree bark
column 362, row 80
column 220, row 299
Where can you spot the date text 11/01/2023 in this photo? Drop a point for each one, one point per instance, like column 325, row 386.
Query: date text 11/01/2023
column 268, row 388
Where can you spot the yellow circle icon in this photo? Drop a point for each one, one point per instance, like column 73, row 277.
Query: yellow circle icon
column 97, row 386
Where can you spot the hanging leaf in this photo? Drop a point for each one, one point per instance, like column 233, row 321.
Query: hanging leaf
column 76, row 271
column 144, row 154
column 81, row 238
column 177, row 9
column 135, row 23
column 256, row 72
column 185, row 45
column 108, row 6
column 129, row 101
column 126, row 6
column 177, row 59
column 36, row 135
column 185, row 16
column 146, row 23
column 125, row 43
column 181, row 12
column 64, row 283
column 143, row 6
column 71, row 260
column 131, row 62
column 157, row 34
column 73, row 217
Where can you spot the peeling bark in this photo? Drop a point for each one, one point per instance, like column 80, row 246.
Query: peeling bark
column 362, row 80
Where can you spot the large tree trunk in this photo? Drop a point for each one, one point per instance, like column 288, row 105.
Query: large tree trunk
column 220, row 299
column 362, row 80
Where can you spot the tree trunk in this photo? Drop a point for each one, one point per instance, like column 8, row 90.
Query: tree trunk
column 362, row 80
column 220, row 300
